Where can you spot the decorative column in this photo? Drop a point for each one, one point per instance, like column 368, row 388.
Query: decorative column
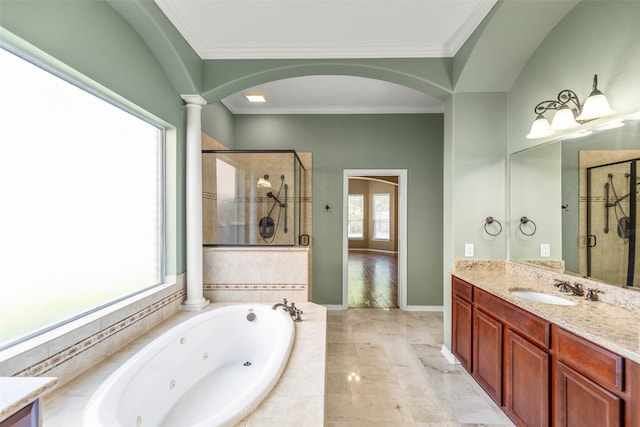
column 195, row 300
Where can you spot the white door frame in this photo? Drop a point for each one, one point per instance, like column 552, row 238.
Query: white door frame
column 402, row 230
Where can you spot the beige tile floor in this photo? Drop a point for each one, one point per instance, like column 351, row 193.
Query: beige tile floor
column 385, row 368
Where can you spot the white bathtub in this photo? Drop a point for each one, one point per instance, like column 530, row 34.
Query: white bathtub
column 211, row 370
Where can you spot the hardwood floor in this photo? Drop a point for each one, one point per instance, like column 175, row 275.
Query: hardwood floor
column 373, row 280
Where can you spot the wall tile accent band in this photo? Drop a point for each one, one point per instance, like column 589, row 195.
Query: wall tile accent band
column 253, row 287
column 70, row 352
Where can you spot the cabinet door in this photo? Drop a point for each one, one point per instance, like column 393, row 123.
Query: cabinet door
column 526, row 375
column 461, row 342
column 582, row 403
column 487, row 354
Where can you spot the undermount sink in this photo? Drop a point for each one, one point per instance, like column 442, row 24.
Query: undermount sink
column 542, row 297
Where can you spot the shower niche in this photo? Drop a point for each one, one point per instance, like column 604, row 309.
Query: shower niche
column 253, row 198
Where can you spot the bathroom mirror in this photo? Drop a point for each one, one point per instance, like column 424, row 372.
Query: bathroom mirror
column 591, row 235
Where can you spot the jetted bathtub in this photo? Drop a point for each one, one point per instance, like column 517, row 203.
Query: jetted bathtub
column 211, row 370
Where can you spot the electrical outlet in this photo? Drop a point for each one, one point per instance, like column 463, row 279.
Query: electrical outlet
column 468, row 249
column 545, row 250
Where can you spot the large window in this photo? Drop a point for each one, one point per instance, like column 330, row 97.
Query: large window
column 356, row 216
column 81, row 187
column 381, row 216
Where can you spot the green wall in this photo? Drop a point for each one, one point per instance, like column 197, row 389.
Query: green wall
column 218, row 123
column 91, row 42
column 413, row 142
column 596, row 37
column 475, row 182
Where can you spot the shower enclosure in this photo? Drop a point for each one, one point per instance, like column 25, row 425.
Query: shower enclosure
column 253, row 198
column 612, row 222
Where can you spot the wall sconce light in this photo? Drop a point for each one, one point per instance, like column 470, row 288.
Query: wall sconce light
column 264, row 182
column 570, row 114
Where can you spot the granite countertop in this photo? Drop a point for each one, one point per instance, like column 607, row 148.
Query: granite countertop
column 18, row 392
column 613, row 327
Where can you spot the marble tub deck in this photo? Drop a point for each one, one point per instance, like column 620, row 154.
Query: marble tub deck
column 299, row 394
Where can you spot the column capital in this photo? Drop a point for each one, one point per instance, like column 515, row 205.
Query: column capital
column 194, row 100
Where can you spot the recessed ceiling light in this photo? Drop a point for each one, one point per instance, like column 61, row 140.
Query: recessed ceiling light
column 255, row 96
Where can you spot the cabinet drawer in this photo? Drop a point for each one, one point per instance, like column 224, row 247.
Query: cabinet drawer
column 532, row 327
column 462, row 289
column 602, row 366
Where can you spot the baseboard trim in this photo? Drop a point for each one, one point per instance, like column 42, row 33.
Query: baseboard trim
column 425, row 308
column 449, row 356
column 382, row 251
column 334, row 307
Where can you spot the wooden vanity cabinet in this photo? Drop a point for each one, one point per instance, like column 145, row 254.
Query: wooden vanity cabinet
column 487, row 354
column 461, row 317
column 580, row 402
column 522, row 358
column 504, row 348
column 593, row 386
column 540, row 373
column 526, row 378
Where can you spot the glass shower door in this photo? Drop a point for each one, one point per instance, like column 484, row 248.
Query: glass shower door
column 612, row 222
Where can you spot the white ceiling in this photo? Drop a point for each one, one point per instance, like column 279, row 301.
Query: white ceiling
column 334, row 95
column 316, row 29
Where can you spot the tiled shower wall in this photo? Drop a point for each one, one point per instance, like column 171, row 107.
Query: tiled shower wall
column 257, row 273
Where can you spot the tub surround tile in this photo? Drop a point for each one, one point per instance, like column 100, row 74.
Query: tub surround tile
column 253, row 293
column 613, row 321
column 69, row 350
column 240, row 273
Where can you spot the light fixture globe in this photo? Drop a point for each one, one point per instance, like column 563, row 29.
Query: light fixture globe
column 539, row 128
column 596, row 105
column 564, row 119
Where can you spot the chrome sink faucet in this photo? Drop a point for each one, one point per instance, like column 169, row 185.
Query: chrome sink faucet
column 564, row 286
column 561, row 285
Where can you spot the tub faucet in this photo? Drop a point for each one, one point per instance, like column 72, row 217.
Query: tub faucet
column 293, row 311
column 282, row 304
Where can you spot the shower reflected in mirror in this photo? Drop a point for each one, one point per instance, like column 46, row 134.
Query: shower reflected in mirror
column 612, row 221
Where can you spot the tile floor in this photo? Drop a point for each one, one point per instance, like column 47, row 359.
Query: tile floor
column 385, row 368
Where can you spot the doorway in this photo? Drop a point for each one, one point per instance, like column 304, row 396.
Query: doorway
column 388, row 266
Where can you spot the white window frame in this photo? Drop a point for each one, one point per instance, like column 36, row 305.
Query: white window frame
column 362, row 223
column 375, row 221
column 157, row 222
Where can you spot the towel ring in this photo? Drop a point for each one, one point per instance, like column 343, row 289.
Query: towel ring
column 490, row 221
column 524, row 220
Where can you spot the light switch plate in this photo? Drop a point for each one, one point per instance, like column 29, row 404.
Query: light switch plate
column 468, row 249
column 545, row 250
